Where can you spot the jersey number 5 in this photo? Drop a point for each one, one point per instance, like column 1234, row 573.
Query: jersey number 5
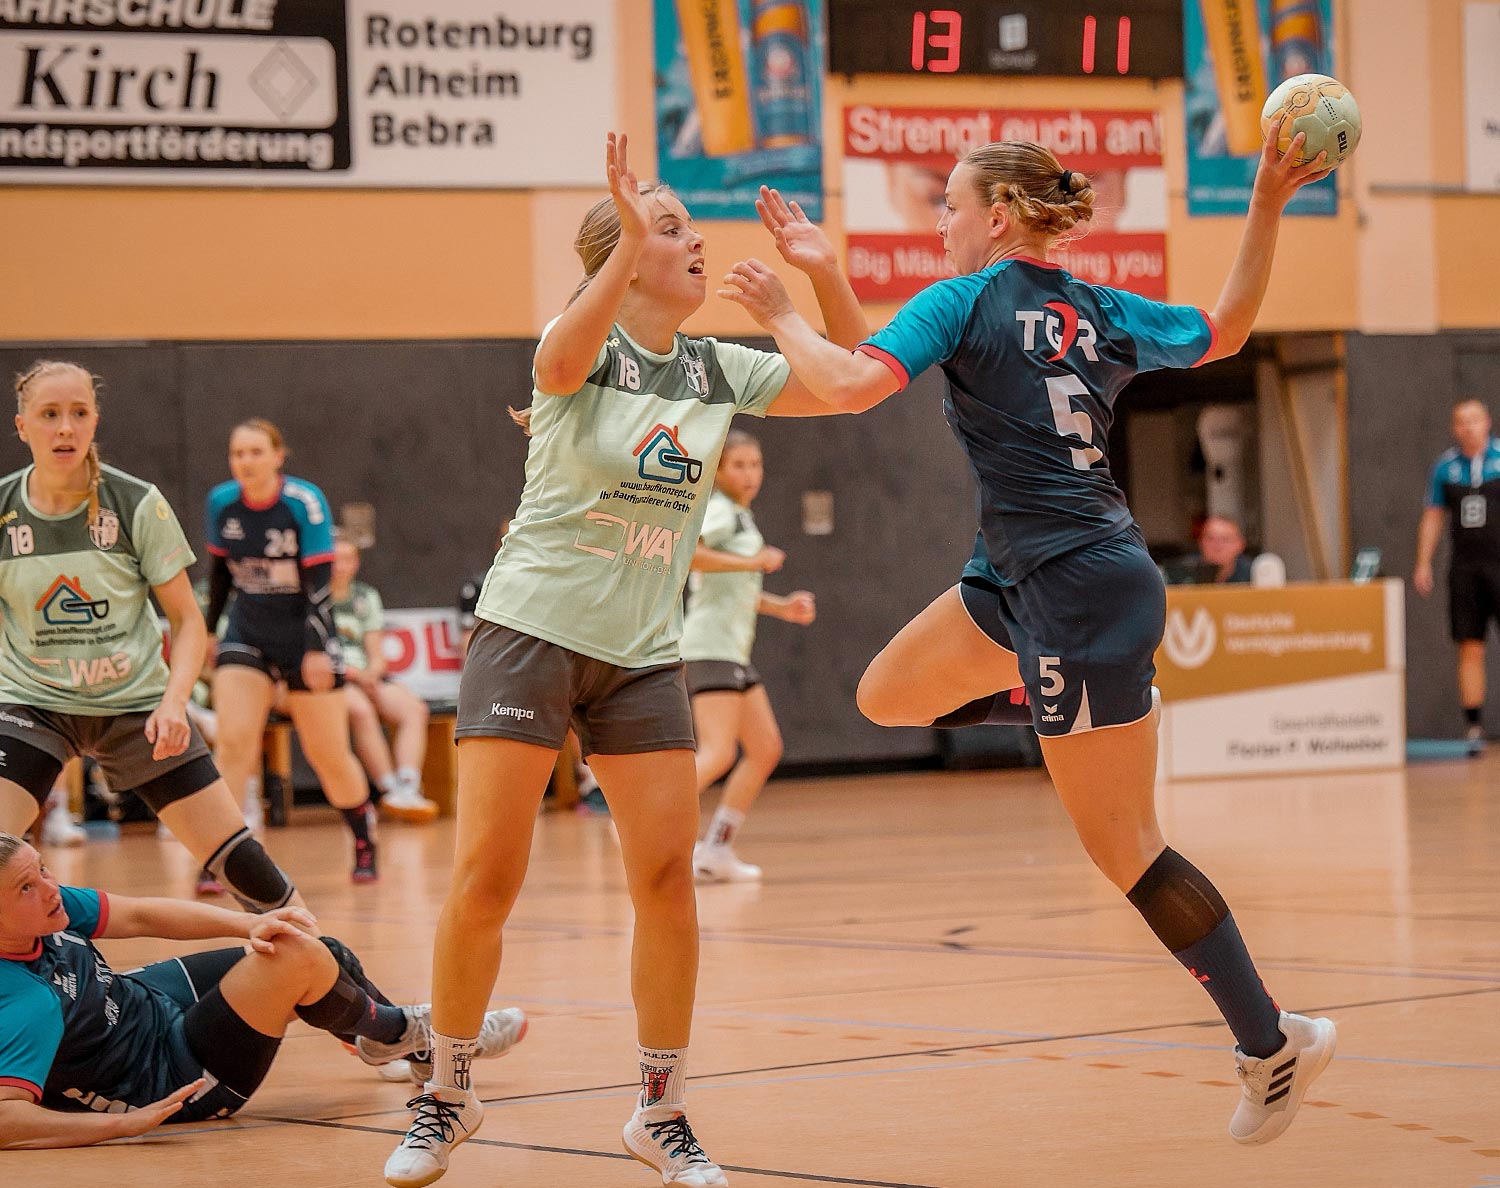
column 1070, row 422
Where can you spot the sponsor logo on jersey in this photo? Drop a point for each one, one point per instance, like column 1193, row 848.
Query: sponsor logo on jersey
column 106, row 531
column 233, row 529
column 1062, row 329
column 642, row 542
column 697, row 373
column 662, row 458
column 67, row 604
column 1190, row 644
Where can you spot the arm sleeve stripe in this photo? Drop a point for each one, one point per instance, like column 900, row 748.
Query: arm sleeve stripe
column 217, row 551
column 22, row 1083
column 103, row 916
column 1213, row 338
column 318, row 559
column 885, row 357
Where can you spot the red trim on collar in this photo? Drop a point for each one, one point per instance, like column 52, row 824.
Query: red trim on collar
column 1032, row 260
column 31, row 956
column 270, row 503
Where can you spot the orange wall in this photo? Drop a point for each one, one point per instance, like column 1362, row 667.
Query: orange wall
column 184, row 264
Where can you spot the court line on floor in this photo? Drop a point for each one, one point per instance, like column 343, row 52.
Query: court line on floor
column 810, row 1177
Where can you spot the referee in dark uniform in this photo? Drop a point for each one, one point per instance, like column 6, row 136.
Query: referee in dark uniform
column 1465, row 490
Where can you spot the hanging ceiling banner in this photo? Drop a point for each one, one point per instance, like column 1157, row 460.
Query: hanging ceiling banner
column 373, row 93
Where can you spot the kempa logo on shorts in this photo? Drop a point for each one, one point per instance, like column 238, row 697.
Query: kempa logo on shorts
column 16, row 720
column 1189, row 645
column 510, row 711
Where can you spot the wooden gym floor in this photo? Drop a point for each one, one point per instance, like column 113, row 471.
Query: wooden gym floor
column 932, row 989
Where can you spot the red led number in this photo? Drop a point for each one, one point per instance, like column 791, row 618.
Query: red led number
column 949, row 42
column 1122, row 45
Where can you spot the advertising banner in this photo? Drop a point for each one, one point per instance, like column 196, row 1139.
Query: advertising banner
column 394, row 93
column 1482, row 96
column 896, row 167
column 1236, row 52
column 424, row 651
column 1307, row 677
column 739, row 103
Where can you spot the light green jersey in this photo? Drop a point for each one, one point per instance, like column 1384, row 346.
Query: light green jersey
column 358, row 615
column 720, row 620
column 80, row 632
column 617, row 483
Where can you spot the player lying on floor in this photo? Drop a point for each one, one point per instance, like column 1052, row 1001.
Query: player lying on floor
column 88, row 1054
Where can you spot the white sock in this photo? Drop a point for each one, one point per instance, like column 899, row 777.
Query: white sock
column 409, row 776
column 725, row 824
column 662, row 1075
column 389, row 782
column 451, row 1057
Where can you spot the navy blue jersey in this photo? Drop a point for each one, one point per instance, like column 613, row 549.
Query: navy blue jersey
column 267, row 547
column 73, row 1032
column 1470, row 489
column 1035, row 359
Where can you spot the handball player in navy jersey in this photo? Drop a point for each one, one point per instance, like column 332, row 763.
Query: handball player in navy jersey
column 271, row 537
column 1061, row 597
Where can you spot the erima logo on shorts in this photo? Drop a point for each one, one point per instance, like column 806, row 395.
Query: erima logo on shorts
column 510, row 711
column 1050, row 714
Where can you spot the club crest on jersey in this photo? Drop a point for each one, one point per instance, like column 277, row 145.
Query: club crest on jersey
column 106, row 530
column 1062, row 328
column 233, row 529
column 697, row 373
column 662, row 458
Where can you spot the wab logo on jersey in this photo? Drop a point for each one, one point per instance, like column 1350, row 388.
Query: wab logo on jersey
column 1061, row 327
column 67, row 604
column 663, row 460
column 1190, row 644
column 106, row 531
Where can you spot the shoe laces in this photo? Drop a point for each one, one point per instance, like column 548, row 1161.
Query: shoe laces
column 676, row 1136
column 435, row 1120
column 1269, row 1073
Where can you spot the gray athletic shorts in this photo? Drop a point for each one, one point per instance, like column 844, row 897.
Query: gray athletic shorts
column 720, row 676
column 518, row 686
column 116, row 741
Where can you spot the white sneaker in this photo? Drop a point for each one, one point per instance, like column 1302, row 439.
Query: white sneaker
column 396, row 1071
column 444, row 1118
column 1474, row 737
column 58, row 828
column 660, row 1137
column 501, row 1031
column 1272, row 1088
column 720, row 864
column 406, row 803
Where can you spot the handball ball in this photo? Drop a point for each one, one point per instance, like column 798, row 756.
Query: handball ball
column 1319, row 107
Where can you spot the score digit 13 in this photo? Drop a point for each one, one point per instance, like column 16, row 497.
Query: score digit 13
column 937, row 38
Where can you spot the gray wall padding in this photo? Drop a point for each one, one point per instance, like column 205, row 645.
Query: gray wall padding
column 1401, row 395
column 419, row 429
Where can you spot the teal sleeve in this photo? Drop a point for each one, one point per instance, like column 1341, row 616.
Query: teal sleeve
column 160, row 543
column 31, row 1028
column 1435, row 485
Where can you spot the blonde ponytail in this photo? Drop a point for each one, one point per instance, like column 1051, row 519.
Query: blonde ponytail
column 1028, row 180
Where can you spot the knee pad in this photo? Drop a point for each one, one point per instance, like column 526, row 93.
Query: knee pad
column 243, row 866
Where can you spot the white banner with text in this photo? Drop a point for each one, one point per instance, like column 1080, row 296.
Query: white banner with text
column 372, row 93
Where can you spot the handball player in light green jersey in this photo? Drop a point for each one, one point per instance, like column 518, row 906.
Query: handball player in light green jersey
column 579, row 622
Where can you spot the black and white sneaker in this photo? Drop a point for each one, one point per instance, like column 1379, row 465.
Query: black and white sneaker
column 445, row 1118
column 1272, row 1087
column 660, row 1137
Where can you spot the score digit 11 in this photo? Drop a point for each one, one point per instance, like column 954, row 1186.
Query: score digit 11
column 949, row 41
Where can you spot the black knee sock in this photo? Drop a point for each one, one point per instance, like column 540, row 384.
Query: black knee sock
column 346, row 1010
column 358, row 820
column 1471, row 714
column 1009, row 707
column 1190, row 917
